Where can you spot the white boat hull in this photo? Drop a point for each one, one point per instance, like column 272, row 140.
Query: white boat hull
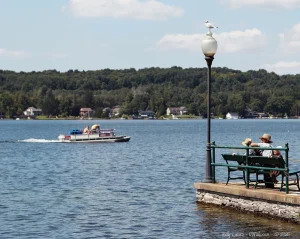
column 93, row 135
column 92, row 138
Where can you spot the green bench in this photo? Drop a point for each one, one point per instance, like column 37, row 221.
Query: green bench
column 235, row 161
column 258, row 165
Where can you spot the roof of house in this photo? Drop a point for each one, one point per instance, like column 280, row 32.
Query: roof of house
column 86, row 109
column 232, row 113
column 145, row 111
column 177, row 108
column 33, row 109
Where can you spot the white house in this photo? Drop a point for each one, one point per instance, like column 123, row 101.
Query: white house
column 31, row 111
column 177, row 110
column 232, row 115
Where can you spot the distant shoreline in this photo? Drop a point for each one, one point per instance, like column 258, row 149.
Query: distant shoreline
column 95, row 119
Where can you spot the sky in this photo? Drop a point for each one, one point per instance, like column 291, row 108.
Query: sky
column 38, row 35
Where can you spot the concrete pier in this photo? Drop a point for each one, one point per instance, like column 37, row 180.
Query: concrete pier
column 262, row 200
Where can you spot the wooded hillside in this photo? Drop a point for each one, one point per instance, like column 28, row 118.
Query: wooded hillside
column 64, row 93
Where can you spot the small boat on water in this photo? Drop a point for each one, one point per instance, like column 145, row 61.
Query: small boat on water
column 95, row 134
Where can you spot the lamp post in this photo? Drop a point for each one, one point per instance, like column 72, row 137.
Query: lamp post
column 209, row 47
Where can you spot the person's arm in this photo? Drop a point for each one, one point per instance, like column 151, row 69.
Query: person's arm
column 254, row 145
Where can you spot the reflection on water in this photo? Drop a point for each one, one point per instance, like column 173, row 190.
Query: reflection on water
column 220, row 222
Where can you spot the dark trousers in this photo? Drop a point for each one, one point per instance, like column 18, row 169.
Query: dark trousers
column 268, row 181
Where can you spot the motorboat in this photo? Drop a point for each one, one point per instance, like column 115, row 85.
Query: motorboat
column 94, row 135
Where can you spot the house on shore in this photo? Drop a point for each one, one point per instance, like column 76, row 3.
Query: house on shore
column 263, row 115
column 251, row 115
column 86, row 112
column 116, row 110
column 177, row 110
column 32, row 112
column 232, row 115
column 108, row 111
column 146, row 114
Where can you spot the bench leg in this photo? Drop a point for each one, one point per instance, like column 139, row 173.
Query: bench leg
column 284, row 184
column 228, row 176
column 282, row 177
column 256, row 181
column 297, row 178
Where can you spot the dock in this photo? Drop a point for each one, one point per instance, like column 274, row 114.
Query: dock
column 265, row 201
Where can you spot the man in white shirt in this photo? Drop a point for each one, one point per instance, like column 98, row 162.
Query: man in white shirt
column 266, row 143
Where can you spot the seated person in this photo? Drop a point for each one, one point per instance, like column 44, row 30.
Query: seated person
column 252, row 152
column 86, row 130
column 96, row 128
column 265, row 143
column 275, row 173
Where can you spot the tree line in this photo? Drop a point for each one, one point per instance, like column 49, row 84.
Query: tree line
column 64, row 93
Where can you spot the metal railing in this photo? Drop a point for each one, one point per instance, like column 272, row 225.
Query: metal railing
column 247, row 166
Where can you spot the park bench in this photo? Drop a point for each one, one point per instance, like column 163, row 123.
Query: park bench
column 234, row 163
column 258, row 165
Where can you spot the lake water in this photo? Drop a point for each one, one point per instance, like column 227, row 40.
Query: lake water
column 139, row 189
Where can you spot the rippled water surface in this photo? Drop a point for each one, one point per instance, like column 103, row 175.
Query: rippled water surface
column 138, row 189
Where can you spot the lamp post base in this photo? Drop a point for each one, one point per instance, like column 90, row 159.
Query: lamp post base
column 208, row 176
column 207, row 180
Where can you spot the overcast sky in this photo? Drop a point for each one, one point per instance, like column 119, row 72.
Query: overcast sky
column 39, row 35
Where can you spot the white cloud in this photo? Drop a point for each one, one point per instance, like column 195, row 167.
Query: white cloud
column 137, row 9
column 282, row 67
column 228, row 42
column 290, row 41
column 180, row 41
column 268, row 4
column 15, row 54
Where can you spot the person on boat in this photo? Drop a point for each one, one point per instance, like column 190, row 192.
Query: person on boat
column 96, row 128
column 86, row 130
column 266, row 142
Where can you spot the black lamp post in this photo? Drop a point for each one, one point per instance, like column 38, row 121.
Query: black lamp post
column 209, row 47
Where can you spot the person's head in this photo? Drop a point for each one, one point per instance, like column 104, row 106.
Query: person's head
column 266, row 138
column 276, row 152
column 247, row 142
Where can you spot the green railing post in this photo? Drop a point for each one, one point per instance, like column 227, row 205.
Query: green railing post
column 287, row 168
column 213, row 168
column 247, row 169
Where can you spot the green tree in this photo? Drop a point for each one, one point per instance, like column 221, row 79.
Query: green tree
column 65, row 107
column 279, row 106
column 50, row 105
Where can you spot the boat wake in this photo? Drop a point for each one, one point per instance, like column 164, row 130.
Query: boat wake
column 32, row 140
